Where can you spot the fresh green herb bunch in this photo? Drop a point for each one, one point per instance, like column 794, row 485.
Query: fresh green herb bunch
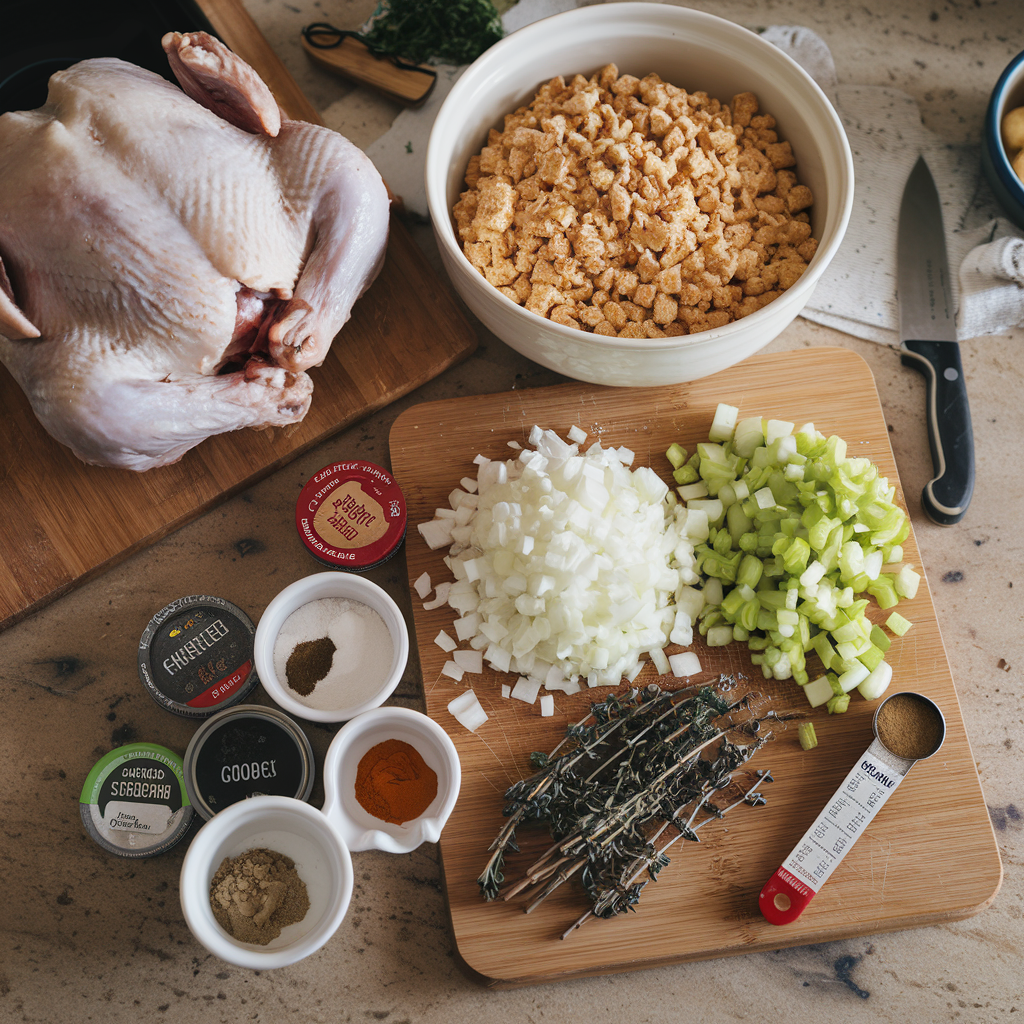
column 442, row 31
column 639, row 765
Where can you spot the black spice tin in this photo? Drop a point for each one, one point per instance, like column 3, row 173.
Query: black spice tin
column 195, row 656
column 246, row 751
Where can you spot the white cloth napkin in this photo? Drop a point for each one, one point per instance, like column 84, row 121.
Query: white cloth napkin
column 857, row 293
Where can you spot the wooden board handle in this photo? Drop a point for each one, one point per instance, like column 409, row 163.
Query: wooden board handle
column 409, row 84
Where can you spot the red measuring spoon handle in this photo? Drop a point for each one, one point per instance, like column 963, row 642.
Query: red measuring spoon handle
column 783, row 898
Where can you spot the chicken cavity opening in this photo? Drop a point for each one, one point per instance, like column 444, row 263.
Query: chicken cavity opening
column 254, row 313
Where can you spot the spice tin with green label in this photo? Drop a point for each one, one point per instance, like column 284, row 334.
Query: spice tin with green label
column 244, row 751
column 195, row 656
column 351, row 516
column 134, row 801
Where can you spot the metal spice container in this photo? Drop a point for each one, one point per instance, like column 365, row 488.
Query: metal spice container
column 246, row 751
column 351, row 516
column 134, row 802
column 195, row 656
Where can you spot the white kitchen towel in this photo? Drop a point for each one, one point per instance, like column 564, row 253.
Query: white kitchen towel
column 857, row 293
column 992, row 283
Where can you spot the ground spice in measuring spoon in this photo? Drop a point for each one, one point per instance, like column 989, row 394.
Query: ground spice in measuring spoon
column 909, row 727
column 394, row 783
column 257, row 894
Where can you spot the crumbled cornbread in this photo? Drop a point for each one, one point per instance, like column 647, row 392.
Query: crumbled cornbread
column 632, row 208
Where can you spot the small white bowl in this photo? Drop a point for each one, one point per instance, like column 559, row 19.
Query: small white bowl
column 313, row 588
column 694, row 51
column 286, row 826
column 360, row 829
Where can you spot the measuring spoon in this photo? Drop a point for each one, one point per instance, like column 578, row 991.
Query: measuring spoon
column 855, row 803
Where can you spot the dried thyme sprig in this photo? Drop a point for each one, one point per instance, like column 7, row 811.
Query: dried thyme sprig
column 529, row 798
column 623, row 775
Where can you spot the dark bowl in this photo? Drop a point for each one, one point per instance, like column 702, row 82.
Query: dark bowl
column 1008, row 94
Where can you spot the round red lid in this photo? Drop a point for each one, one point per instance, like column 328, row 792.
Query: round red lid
column 351, row 515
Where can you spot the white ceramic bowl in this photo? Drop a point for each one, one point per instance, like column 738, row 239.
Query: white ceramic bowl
column 313, row 588
column 286, row 826
column 360, row 829
column 690, row 49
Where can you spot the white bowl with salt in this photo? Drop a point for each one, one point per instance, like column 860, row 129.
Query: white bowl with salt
column 330, row 647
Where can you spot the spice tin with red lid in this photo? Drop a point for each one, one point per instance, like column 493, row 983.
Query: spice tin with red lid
column 351, row 515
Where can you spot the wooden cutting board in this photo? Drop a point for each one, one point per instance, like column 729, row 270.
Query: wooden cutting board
column 65, row 522
column 929, row 856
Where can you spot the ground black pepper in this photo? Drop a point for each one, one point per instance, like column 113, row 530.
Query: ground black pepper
column 309, row 662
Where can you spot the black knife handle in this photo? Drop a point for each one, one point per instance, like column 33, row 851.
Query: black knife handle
column 946, row 497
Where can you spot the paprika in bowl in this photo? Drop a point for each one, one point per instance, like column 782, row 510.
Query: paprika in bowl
column 391, row 779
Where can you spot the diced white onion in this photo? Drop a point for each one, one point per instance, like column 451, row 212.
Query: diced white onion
column 437, row 532
column 661, row 663
column 445, row 642
column 547, row 706
column 453, row 671
column 684, row 664
column 571, row 563
column 468, row 711
column 526, row 689
column 422, row 585
column 440, row 596
column 470, row 661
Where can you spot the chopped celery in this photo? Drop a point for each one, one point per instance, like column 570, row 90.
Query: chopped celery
column 872, row 657
column 838, row 704
column 853, row 676
column 875, row 684
column 898, row 624
column 906, row 582
column 724, row 422
column 805, row 733
column 818, row 691
column 798, row 535
column 879, row 639
column 677, row 455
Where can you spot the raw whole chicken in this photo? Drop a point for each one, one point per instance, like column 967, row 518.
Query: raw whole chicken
column 171, row 262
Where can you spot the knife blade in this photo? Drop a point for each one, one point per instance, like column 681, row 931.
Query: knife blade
column 929, row 345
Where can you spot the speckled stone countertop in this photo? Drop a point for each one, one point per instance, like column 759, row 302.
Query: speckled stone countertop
column 88, row 937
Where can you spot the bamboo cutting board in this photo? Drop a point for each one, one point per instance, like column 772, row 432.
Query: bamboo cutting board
column 929, row 856
column 65, row 522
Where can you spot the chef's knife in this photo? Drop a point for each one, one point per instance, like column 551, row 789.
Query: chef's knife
column 928, row 335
